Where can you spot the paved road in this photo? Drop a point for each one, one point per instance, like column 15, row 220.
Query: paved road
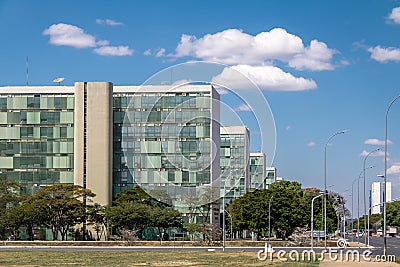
column 392, row 243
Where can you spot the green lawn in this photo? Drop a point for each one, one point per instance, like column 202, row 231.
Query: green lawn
column 136, row 258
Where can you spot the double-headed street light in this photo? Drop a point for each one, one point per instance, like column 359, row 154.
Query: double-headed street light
column 326, row 145
column 385, row 175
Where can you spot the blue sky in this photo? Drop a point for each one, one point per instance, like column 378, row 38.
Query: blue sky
column 323, row 66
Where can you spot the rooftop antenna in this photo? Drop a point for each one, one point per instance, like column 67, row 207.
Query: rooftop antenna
column 58, row 80
column 27, row 71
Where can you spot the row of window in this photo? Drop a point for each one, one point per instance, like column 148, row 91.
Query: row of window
column 184, row 116
column 158, row 147
column 39, row 178
column 165, row 131
column 36, row 117
column 37, row 132
column 37, row 162
column 147, row 162
column 49, row 147
column 166, row 101
column 37, row 102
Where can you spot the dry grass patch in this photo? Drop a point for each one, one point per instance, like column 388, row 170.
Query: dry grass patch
column 136, row 258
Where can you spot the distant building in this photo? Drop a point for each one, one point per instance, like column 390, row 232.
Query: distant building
column 234, row 162
column 377, row 196
column 271, row 176
column 257, row 170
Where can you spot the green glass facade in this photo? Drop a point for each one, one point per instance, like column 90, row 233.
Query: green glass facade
column 37, row 139
column 257, row 171
column 234, row 159
column 161, row 139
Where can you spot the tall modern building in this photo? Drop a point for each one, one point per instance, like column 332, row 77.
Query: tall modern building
column 166, row 139
column 235, row 155
column 257, row 170
column 110, row 138
column 377, row 196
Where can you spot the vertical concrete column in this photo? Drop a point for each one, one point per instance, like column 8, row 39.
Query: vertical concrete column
column 93, row 138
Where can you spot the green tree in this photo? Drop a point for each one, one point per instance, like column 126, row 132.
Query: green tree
column 61, row 205
column 138, row 195
column 25, row 215
column 129, row 216
column 97, row 218
column 10, row 195
column 162, row 197
column 393, row 213
column 290, row 208
column 164, row 218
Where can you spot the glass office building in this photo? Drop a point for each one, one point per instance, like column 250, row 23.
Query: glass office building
column 257, row 170
column 37, row 136
column 234, row 162
column 163, row 140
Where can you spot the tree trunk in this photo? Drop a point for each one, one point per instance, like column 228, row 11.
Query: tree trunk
column 29, row 232
column 55, row 233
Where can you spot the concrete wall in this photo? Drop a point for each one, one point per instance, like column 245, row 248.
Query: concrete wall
column 99, row 134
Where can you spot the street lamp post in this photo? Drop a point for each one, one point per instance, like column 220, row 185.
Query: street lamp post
column 385, row 178
column 352, row 214
column 223, row 218
column 358, row 202
column 230, row 216
column 326, row 145
column 365, row 198
column 312, row 220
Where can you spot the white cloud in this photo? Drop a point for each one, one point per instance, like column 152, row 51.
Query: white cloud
column 160, row 52
column 69, row 35
column 243, row 107
column 379, row 153
column 394, row 16
column 103, row 42
column 147, row 52
column 377, row 142
column 109, row 22
column 265, row 77
column 113, row 51
column 233, row 46
column 288, row 128
column 316, row 57
column 311, row 144
column 394, row 169
column 384, row 55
